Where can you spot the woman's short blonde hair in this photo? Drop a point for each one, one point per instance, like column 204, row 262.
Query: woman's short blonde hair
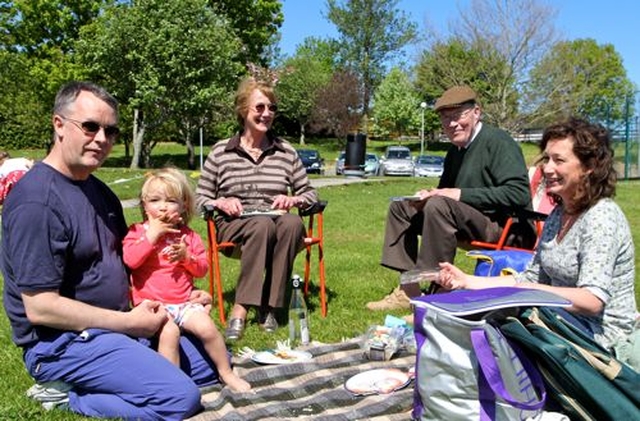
column 174, row 184
column 247, row 86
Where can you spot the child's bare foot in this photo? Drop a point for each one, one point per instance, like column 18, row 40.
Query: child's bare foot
column 235, row 383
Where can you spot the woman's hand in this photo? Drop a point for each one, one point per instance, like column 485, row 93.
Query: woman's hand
column 451, row 277
column 230, row 206
column 284, row 202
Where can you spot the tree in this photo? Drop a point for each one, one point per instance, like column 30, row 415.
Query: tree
column 256, row 23
column 372, row 32
column 396, row 105
column 455, row 62
column 36, row 26
column 337, row 109
column 173, row 63
column 580, row 78
column 519, row 32
column 24, row 121
column 37, row 37
column 302, row 78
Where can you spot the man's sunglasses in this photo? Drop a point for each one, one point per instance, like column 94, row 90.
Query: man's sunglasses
column 91, row 128
column 261, row 107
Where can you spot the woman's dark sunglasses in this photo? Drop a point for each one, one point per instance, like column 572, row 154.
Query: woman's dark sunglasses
column 261, row 107
column 91, row 128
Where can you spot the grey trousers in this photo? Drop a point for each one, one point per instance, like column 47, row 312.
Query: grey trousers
column 442, row 223
column 268, row 249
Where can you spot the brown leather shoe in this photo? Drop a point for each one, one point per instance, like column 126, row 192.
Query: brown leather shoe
column 396, row 300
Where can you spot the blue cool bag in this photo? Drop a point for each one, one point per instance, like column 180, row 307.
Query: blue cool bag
column 500, row 262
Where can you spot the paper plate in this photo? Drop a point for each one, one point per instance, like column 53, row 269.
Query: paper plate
column 272, row 213
column 379, row 381
column 284, row 357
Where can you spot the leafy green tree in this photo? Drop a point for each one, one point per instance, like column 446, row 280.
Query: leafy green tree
column 493, row 45
column 454, row 62
column 36, row 26
column 38, row 36
column 24, row 122
column 256, row 23
column 174, row 64
column 302, row 77
column 372, row 32
column 582, row 78
column 396, row 106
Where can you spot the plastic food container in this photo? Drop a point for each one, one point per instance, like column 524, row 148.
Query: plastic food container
column 380, row 343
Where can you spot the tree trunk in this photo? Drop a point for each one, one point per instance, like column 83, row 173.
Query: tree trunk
column 191, row 156
column 138, row 138
column 302, row 134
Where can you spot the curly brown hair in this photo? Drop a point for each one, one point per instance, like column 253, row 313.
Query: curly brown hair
column 592, row 146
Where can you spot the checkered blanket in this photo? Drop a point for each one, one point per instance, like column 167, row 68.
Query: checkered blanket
column 310, row 390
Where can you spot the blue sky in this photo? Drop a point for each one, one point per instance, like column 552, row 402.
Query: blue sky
column 614, row 22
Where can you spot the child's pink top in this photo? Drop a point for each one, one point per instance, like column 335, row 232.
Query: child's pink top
column 153, row 277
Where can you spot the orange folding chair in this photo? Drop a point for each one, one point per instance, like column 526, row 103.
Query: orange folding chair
column 314, row 237
column 542, row 205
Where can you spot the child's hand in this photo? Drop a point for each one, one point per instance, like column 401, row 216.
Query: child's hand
column 161, row 225
column 177, row 252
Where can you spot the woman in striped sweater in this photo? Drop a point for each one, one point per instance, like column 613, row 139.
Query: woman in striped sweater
column 253, row 179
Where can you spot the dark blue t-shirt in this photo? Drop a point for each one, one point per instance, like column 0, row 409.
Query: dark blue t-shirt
column 61, row 235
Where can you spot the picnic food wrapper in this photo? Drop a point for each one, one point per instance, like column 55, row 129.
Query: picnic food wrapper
column 380, row 343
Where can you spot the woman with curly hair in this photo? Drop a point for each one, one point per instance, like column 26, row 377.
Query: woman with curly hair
column 586, row 252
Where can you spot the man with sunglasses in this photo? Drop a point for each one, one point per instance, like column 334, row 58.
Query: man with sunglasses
column 484, row 180
column 66, row 288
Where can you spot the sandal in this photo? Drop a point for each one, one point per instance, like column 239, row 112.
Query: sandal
column 234, row 329
column 269, row 323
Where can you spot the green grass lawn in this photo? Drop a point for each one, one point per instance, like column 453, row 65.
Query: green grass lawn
column 354, row 229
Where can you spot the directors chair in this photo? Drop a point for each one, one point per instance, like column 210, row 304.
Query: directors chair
column 314, row 237
column 542, row 206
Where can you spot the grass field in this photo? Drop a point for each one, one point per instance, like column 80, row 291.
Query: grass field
column 354, row 225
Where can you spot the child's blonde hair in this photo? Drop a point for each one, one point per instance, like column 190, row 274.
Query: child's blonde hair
column 175, row 185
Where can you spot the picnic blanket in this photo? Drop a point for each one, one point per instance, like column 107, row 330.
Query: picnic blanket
column 310, row 390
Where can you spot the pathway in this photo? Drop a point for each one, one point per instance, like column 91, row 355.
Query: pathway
column 315, row 182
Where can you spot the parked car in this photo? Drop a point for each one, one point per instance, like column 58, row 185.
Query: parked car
column 371, row 164
column 396, row 161
column 312, row 161
column 428, row 166
column 340, row 163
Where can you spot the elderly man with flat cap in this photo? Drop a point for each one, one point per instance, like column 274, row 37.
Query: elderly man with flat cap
column 484, row 180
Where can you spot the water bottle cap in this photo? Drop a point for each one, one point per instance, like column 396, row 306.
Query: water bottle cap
column 296, row 281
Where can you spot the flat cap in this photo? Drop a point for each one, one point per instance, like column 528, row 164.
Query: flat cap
column 455, row 97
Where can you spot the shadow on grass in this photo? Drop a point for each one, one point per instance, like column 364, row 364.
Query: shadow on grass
column 229, row 297
column 157, row 161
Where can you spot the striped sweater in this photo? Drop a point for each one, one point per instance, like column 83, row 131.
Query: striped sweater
column 229, row 171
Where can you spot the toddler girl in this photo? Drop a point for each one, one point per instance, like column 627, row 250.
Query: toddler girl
column 164, row 255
